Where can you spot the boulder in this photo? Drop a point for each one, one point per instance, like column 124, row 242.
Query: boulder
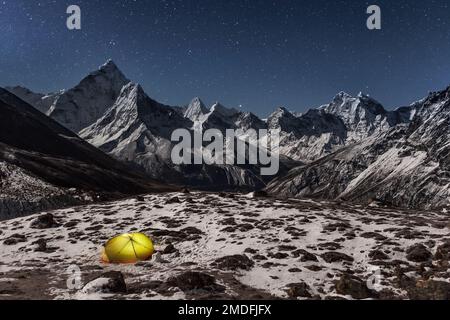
column 429, row 290
column 234, row 262
column 260, row 194
column 110, row 282
column 173, row 200
column 298, row 290
column 41, row 245
column 46, row 221
column 333, row 256
column 353, row 286
column 418, row 253
column 190, row 280
column 169, row 249
column 443, row 251
column 378, row 255
column 14, row 239
column 305, row 255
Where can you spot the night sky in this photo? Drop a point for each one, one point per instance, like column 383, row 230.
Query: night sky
column 254, row 54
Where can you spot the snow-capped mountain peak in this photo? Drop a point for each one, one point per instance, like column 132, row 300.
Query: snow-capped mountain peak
column 109, row 64
column 82, row 105
column 279, row 117
column 362, row 115
column 195, row 109
column 341, row 96
column 220, row 109
column 111, row 72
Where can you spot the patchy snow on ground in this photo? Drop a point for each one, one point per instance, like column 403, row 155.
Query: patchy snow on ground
column 224, row 246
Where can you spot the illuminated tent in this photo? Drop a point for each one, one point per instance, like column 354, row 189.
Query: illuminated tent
column 128, row 248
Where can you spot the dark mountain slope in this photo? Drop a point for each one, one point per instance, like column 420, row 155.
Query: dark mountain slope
column 48, row 152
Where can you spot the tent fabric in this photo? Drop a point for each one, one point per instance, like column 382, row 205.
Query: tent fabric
column 128, row 248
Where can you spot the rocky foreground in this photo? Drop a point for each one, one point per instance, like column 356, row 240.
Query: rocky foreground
column 229, row 246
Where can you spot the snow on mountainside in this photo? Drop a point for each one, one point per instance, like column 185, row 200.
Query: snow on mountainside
column 407, row 166
column 309, row 136
column 51, row 156
column 346, row 120
column 138, row 129
column 230, row 246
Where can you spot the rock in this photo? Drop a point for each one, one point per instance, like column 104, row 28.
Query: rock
column 46, row 221
column 278, row 255
column 14, row 239
column 226, row 195
column 185, row 191
column 173, row 200
column 71, row 224
column 191, row 231
column 353, row 286
column 429, row 290
column 189, row 281
column 378, row 255
column 296, row 290
column 334, row 298
column 251, row 251
column 286, row 248
column 418, row 253
column 373, row 235
column 140, row 198
column 330, row 246
column 41, row 245
column 157, row 258
column 443, row 251
column 234, row 262
column 189, row 200
column 94, row 228
column 333, row 256
column 260, row 194
column 259, row 257
column 110, row 282
column 305, row 255
column 338, row 226
column 169, row 249
column 144, row 264
column 245, row 227
column 314, row 268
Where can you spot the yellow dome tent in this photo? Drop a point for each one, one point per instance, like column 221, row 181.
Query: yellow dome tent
column 128, row 248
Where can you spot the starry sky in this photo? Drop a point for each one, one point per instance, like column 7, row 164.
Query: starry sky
column 253, row 54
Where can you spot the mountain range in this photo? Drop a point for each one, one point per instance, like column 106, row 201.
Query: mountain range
column 351, row 149
column 407, row 165
column 44, row 165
